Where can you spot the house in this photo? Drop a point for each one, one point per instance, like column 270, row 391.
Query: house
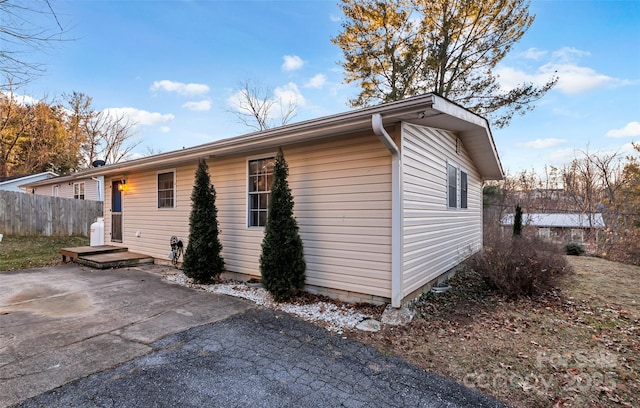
column 82, row 188
column 388, row 198
column 15, row 183
column 563, row 228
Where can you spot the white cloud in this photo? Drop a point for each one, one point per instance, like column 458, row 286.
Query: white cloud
column 317, row 81
column 334, row 18
column 292, row 63
column 534, row 53
column 542, row 143
column 201, row 106
column 289, row 94
column 164, row 129
column 572, row 78
column 141, row 117
column 180, row 88
column 569, row 54
column 631, row 129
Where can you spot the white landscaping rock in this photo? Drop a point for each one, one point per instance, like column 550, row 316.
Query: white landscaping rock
column 337, row 318
column 369, row 325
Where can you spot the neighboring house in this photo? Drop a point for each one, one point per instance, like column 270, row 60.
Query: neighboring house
column 563, row 228
column 69, row 186
column 15, row 183
column 388, row 198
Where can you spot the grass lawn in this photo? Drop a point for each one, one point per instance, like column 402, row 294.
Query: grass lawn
column 576, row 347
column 34, row 252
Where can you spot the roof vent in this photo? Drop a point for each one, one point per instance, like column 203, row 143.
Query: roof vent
column 98, row 163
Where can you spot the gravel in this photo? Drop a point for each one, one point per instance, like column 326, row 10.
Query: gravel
column 335, row 318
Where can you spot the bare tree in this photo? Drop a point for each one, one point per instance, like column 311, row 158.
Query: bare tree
column 116, row 138
column 254, row 105
column 20, row 36
column 101, row 134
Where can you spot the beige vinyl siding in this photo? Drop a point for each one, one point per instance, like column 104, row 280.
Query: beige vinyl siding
column 342, row 192
column 65, row 189
column 140, row 211
column 435, row 238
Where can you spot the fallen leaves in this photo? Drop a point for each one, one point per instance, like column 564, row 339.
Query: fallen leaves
column 568, row 349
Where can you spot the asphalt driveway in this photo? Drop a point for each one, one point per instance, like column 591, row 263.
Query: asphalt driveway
column 79, row 337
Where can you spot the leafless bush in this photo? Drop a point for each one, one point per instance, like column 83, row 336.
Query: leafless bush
column 520, row 266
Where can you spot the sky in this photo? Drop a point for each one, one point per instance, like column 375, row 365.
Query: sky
column 175, row 67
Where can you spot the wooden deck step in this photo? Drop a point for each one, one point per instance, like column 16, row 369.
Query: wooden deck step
column 75, row 252
column 114, row 260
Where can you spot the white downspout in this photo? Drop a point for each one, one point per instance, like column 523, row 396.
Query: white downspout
column 99, row 187
column 396, row 209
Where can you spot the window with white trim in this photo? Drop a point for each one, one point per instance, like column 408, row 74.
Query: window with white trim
column 463, row 189
column 78, row 191
column 452, row 186
column 260, row 176
column 166, row 189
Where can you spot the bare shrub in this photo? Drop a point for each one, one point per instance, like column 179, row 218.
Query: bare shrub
column 520, row 266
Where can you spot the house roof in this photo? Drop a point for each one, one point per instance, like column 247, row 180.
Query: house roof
column 429, row 110
column 558, row 220
column 80, row 176
column 26, row 178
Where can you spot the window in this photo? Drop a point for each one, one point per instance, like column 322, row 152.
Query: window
column 166, row 190
column 78, row 191
column 544, row 233
column 577, row 235
column 452, row 184
column 260, row 180
column 463, row 189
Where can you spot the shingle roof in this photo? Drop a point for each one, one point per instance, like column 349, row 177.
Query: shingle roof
column 562, row 220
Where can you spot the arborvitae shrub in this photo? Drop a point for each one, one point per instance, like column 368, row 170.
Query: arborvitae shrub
column 517, row 221
column 282, row 261
column 202, row 259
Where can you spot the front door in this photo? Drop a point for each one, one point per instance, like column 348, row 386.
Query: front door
column 116, row 211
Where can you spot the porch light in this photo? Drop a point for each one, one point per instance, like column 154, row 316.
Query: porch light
column 121, row 186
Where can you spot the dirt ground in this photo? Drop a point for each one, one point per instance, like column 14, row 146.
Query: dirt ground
column 578, row 346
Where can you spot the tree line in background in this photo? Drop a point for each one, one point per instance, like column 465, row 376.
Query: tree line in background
column 64, row 137
column 606, row 183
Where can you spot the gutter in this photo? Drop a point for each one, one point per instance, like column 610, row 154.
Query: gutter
column 396, row 209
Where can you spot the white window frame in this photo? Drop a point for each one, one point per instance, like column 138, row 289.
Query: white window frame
column 249, row 194
column 448, row 183
column 81, row 187
column 175, row 196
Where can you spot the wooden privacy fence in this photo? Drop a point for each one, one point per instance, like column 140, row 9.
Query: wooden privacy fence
column 30, row 214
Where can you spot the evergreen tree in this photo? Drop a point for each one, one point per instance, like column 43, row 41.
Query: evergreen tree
column 202, row 259
column 282, row 261
column 517, row 222
column 395, row 49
